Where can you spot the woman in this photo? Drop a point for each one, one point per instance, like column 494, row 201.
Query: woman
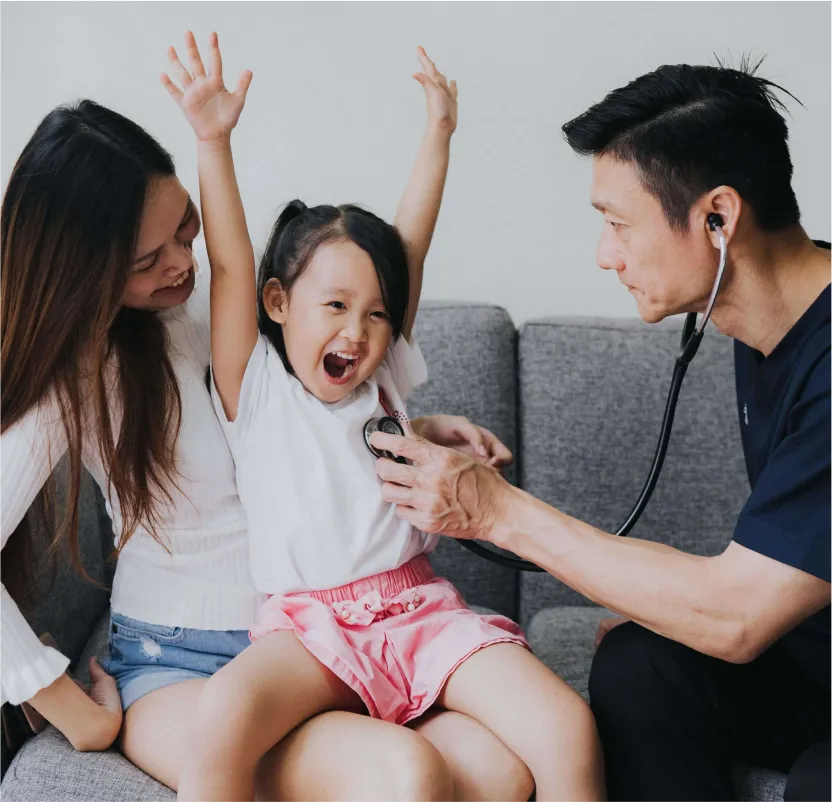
column 102, row 360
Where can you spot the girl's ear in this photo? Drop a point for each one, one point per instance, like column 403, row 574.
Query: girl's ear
column 275, row 301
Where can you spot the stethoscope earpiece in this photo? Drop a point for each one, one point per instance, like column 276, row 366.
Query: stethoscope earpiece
column 715, row 220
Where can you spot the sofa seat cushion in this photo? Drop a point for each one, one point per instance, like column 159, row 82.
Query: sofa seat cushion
column 48, row 769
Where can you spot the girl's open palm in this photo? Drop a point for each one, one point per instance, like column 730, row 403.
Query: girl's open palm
column 211, row 109
column 441, row 95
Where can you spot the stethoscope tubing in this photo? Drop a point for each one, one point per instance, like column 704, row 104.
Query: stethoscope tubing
column 691, row 338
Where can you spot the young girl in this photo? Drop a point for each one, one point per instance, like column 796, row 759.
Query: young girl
column 355, row 617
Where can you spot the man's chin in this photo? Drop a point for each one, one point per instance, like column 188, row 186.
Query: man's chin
column 648, row 312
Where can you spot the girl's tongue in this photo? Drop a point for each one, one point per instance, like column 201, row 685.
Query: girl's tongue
column 339, row 368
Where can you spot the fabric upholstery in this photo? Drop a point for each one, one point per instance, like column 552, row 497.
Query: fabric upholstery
column 581, row 400
column 592, row 394
column 470, row 351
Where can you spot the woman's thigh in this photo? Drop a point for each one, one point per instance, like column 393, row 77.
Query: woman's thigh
column 340, row 755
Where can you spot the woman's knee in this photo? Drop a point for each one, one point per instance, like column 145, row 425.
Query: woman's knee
column 808, row 780
column 413, row 769
column 482, row 766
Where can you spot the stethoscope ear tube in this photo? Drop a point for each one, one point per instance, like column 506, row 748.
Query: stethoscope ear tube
column 679, row 370
column 692, row 333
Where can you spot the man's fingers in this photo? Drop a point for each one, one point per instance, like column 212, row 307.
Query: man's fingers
column 397, row 494
column 396, row 472
column 413, row 448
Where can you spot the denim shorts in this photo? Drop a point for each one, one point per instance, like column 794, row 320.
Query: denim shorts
column 146, row 657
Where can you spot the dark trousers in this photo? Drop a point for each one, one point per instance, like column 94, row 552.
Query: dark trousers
column 673, row 721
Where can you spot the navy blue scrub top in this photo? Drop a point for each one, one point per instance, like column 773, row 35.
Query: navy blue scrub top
column 783, row 402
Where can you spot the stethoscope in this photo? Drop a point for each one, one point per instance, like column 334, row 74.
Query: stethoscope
column 692, row 334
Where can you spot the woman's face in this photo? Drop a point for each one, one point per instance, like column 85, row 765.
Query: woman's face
column 163, row 268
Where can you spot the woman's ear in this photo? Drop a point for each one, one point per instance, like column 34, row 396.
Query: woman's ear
column 275, row 301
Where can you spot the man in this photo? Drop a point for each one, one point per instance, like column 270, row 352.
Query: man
column 724, row 658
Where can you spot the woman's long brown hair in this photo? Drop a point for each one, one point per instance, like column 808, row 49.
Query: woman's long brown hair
column 70, row 223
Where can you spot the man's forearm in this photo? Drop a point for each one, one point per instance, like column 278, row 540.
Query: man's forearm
column 659, row 587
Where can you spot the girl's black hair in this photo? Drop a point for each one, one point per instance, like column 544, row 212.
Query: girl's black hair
column 301, row 230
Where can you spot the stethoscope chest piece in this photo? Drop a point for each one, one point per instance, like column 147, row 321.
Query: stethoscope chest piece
column 387, row 425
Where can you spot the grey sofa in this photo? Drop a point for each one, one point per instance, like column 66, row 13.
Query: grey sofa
column 579, row 402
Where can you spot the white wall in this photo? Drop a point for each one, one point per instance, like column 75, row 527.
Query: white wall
column 333, row 114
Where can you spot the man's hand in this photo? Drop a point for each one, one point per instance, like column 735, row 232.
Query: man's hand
column 443, row 491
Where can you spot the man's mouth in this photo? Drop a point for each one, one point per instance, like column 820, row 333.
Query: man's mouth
column 339, row 366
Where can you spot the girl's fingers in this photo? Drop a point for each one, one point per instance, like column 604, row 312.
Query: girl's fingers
column 215, row 57
column 181, row 73
column 194, row 59
column 172, row 88
column 453, row 89
column 423, row 79
column 427, row 65
column 471, row 434
column 243, row 85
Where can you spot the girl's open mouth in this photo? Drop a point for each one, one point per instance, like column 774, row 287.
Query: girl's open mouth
column 339, row 366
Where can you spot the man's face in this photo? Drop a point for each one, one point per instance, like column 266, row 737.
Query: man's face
column 665, row 270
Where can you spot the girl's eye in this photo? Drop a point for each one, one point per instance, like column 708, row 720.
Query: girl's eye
column 336, row 305
column 380, row 315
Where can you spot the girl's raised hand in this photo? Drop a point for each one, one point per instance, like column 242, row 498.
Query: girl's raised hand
column 211, row 109
column 440, row 95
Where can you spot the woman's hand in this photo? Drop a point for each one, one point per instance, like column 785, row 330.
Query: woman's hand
column 103, row 728
column 91, row 718
column 458, row 433
column 211, row 109
column 440, row 95
column 442, row 491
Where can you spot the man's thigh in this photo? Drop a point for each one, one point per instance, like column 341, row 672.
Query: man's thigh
column 778, row 712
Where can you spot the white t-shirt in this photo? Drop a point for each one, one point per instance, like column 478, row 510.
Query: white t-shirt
column 307, row 481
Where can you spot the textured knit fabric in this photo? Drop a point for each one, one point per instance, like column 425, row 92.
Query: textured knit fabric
column 203, row 581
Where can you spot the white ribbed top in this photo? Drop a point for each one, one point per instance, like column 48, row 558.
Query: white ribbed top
column 204, row 582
